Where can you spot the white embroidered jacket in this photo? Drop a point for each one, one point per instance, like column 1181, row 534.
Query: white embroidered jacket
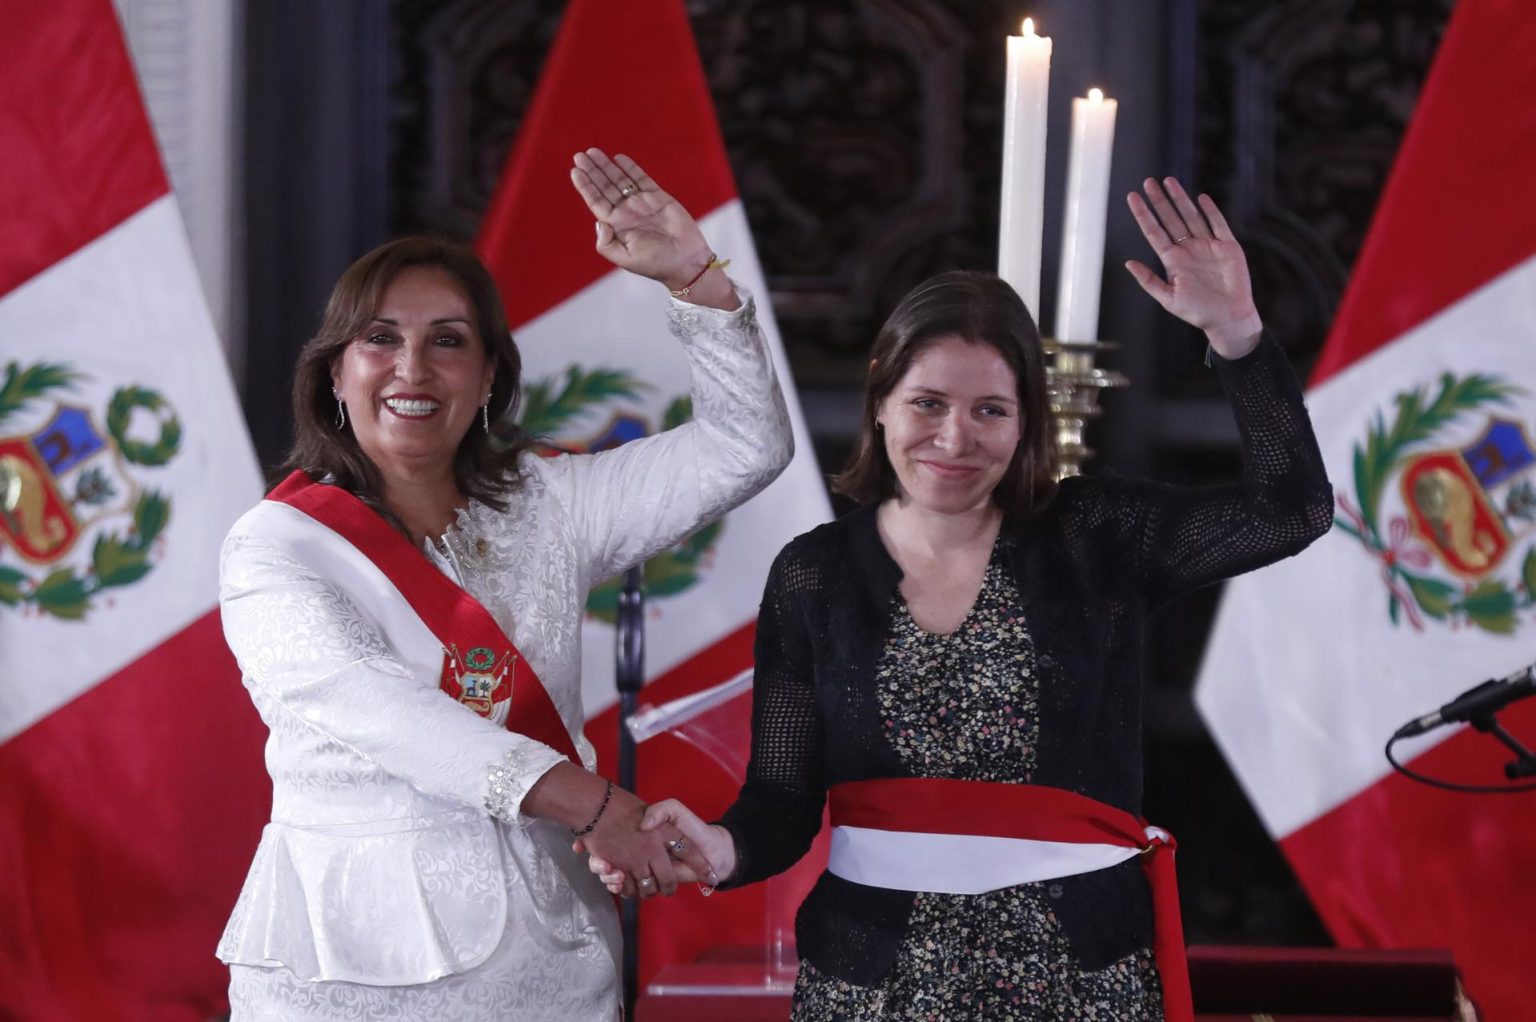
column 396, row 853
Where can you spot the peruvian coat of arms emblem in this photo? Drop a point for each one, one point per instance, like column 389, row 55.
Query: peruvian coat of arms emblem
column 64, row 479
column 480, row 680
column 1445, row 501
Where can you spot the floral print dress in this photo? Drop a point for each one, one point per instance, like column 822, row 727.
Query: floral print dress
column 966, row 705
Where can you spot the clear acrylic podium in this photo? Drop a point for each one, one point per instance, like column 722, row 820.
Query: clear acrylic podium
column 712, row 722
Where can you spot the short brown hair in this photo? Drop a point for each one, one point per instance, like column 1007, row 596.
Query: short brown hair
column 483, row 468
column 981, row 309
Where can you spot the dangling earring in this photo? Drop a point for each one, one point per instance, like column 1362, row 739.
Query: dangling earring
column 341, row 413
column 485, row 414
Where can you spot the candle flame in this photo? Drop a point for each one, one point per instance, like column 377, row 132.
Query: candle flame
column 1029, row 26
column 1095, row 95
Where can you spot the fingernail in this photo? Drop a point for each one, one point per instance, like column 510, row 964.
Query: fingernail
column 714, row 880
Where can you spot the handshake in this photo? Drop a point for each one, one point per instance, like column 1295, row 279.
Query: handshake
column 640, row 850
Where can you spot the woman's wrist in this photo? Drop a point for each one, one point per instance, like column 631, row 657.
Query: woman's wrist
column 688, row 272
column 597, row 816
column 1236, row 339
column 707, row 285
column 726, row 869
column 570, row 795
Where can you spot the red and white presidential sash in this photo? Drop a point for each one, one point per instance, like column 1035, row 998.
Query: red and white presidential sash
column 970, row 837
column 481, row 668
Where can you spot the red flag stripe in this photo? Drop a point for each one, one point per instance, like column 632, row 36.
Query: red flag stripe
column 601, row 88
column 1462, row 169
column 1453, row 870
column 79, row 154
column 123, row 851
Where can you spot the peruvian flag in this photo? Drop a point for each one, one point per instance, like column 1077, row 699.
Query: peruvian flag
column 131, row 784
column 1425, row 406
column 600, row 368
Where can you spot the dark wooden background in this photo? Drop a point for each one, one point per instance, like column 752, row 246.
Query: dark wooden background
column 865, row 136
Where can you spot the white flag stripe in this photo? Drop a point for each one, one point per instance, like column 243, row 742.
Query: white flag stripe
column 620, row 322
column 127, row 310
column 185, row 54
column 1276, row 704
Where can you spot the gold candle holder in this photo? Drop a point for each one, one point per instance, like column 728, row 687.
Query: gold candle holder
column 1073, row 384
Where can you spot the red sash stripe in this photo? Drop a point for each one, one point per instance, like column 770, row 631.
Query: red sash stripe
column 450, row 613
column 1035, row 812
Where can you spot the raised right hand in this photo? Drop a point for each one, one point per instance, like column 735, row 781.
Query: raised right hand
column 1208, row 283
column 640, row 227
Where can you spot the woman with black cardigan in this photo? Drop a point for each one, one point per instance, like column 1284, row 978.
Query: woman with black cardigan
column 956, row 664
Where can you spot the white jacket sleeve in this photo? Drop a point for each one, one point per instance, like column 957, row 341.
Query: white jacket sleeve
column 639, row 499
column 314, row 657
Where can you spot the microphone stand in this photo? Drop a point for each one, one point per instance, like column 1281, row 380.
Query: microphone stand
column 1525, row 761
column 1487, row 722
column 629, row 674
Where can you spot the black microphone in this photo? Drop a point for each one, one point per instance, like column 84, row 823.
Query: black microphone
column 1490, row 696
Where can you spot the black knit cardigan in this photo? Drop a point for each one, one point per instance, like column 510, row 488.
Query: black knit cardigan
column 1089, row 569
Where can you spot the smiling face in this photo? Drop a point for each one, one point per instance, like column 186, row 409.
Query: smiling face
column 951, row 425
column 415, row 376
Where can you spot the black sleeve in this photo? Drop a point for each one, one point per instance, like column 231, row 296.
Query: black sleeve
column 1187, row 537
column 776, row 816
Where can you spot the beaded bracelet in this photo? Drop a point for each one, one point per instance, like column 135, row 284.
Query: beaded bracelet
column 600, row 809
column 715, row 263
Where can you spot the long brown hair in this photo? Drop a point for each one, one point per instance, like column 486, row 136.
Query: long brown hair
column 981, row 309
column 484, row 468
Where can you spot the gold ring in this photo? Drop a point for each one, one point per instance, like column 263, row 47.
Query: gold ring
column 1181, row 239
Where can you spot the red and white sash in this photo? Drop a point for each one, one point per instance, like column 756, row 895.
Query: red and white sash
column 482, row 668
column 970, row 837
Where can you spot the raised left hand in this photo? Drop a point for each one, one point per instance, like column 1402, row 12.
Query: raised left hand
column 640, row 228
column 1207, row 283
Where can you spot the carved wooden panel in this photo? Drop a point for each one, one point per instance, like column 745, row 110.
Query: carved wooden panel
column 467, row 71
column 864, row 133
column 1300, row 106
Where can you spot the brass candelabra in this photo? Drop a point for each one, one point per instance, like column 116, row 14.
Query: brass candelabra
column 1073, row 384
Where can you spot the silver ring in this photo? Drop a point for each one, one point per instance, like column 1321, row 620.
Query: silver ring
column 626, row 191
column 1182, row 238
column 678, row 847
column 647, row 881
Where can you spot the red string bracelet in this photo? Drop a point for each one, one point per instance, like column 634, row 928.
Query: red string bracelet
column 715, row 263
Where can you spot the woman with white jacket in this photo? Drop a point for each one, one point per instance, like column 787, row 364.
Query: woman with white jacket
column 406, row 609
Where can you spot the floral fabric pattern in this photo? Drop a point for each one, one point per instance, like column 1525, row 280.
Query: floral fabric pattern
column 966, row 705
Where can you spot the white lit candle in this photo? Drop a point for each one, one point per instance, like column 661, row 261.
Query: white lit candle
column 1082, row 231
column 1022, row 218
